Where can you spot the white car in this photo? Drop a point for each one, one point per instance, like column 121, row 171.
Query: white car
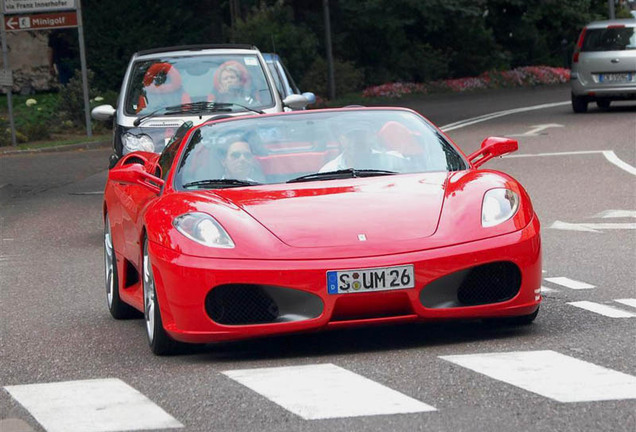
column 604, row 64
column 166, row 88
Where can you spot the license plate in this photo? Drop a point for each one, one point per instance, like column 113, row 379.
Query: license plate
column 615, row 77
column 373, row 279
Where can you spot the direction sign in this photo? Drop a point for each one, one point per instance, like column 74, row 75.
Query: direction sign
column 40, row 21
column 26, row 6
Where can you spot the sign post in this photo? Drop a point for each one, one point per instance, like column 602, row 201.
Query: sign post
column 26, row 15
column 7, row 84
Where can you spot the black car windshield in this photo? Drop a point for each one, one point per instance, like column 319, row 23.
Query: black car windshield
column 173, row 81
column 313, row 146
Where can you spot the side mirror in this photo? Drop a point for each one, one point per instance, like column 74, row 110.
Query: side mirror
column 492, row 147
column 295, row 102
column 135, row 173
column 311, row 98
column 103, row 112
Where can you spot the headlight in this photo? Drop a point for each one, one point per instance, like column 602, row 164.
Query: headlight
column 137, row 143
column 203, row 229
column 498, row 206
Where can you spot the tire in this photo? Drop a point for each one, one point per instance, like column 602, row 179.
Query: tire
column 159, row 341
column 603, row 103
column 579, row 104
column 118, row 309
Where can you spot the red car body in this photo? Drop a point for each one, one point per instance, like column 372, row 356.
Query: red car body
column 289, row 235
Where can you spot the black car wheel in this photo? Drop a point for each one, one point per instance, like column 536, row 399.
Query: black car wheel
column 579, row 104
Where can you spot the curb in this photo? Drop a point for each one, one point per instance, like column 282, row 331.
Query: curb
column 62, row 148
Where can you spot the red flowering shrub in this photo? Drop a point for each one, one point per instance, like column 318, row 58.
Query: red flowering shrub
column 519, row 77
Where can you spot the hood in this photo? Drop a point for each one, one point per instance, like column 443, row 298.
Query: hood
column 347, row 212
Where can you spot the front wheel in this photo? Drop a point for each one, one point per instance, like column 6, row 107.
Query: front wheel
column 579, row 104
column 159, row 341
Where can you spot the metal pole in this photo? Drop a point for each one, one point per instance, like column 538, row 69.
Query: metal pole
column 80, row 31
column 331, row 80
column 5, row 62
column 612, row 15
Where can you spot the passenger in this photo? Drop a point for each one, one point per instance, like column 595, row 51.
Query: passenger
column 232, row 84
column 360, row 151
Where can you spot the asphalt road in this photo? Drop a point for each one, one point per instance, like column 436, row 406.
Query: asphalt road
column 56, row 327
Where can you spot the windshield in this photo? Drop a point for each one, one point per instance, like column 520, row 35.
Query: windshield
column 312, row 146
column 172, row 81
column 609, row 39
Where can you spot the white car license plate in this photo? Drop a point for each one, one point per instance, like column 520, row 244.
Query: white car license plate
column 373, row 279
column 615, row 77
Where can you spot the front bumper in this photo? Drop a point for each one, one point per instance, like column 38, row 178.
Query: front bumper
column 183, row 282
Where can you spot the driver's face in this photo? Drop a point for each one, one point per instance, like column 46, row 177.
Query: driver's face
column 239, row 161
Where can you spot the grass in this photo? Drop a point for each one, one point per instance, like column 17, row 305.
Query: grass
column 60, row 141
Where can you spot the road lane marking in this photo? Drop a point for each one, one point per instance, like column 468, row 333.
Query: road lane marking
column 627, row 301
column 570, row 283
column 605, row 310
column 326, row 391
column 97, row 405
column 568, row 153
column 536, row 130
column 612, row 158
column 548, row 290
column 616, row 214
column 497, row 114
column 609, row 155
column 591, row 227
column 551, row 374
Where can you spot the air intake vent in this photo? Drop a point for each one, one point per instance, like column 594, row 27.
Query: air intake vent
column 490, row 283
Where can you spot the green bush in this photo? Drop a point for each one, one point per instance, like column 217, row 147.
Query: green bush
column 71, row 102
column 348, row 78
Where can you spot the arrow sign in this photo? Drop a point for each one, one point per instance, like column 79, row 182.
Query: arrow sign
column 12, row 24
column 536, row 130
column 592, row 227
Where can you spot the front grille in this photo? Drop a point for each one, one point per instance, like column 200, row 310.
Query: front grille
column 240, row 304
column 490, row 283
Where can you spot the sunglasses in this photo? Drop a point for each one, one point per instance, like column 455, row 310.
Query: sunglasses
column 236, row 155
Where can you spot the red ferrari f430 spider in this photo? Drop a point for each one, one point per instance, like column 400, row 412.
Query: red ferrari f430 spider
column 279, row 223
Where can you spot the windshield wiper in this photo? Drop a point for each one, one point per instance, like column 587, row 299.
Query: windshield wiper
column 344, row 173
column 221, row 183
column 191, row 108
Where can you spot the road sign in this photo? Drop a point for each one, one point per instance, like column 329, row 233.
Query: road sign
column 26, row 6
column 6, row 78
column 40, row 21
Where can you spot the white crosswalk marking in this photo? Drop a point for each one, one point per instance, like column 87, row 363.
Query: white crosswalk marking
column 551, row 374
column 326, row 391
column 606, row 310
column 569, row 283
column 548, row 290
column 99, row 405
column 628, row 301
